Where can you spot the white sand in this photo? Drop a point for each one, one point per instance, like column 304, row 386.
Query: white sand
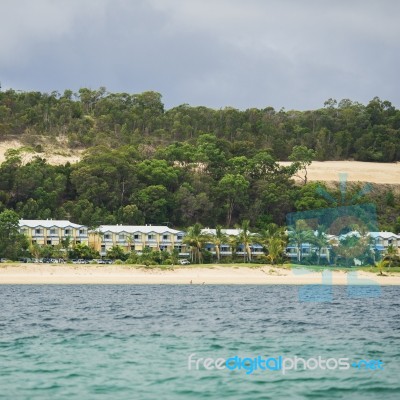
column 55, row 153
column 355, row 170
column 213, row 274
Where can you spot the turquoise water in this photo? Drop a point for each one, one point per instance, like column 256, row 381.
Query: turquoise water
column 133, row 342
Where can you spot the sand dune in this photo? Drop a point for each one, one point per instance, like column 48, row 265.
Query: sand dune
column 55, row 155
column 388, row 173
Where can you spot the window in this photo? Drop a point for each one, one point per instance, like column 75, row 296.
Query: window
column 82, row 231
column 38, row 231
column 49, row 242
column 165, row 237
column 179, row 237
column 52, row 231
column 136, row 236
column 150, row 237
column 67, row 232
column 121, row 237
column 107, row 236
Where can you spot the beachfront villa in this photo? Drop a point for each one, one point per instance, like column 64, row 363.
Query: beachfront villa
column 379, row 243
column 162, row 238
column 137, row 238
column 382, row 240
column 226, row 248
column 53, row 232
column 306, row 250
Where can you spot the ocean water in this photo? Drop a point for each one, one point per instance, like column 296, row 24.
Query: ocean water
column 133, row 342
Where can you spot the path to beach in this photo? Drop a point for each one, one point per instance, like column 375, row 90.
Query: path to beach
column 213, row 274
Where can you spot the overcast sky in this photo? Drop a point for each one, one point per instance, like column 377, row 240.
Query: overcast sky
column 241, row 53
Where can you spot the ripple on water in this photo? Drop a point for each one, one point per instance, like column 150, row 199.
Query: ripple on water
column 85, row 341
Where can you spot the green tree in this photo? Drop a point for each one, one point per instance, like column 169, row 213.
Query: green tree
column 381, row 265
column 12, row 243
column 246, row 239
column 83, row 251
column 196, row 239
column 391, row 255
column 353, row 246
column 154, row 202
column 299, row 235
column 320, row 241
column 117, row 253
column 234, row 190
column 302, row 157
column 273, row 238
column 218, row 239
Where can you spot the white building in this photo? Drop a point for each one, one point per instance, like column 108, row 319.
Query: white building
column 132, row 237
column 52, row 232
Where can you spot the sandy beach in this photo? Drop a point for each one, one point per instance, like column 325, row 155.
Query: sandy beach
column 213, row 274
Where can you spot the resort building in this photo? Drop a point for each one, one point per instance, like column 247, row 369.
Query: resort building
column 129, row 238
column 379, row 243
column 382, row 240
column 227, row 248
column 53, row 232
column 307, row 250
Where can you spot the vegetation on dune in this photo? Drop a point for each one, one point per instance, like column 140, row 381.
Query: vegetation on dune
column 188, row 165
column 339, row 131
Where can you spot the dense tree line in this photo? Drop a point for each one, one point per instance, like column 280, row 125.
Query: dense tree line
column 339, row 130
column 179, row 185
column 145, row 164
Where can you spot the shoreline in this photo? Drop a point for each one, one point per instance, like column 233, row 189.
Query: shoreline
column 39, row 274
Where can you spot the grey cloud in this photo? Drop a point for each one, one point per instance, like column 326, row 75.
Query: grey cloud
column 217, row 53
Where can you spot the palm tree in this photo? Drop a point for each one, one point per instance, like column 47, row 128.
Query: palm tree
column 129, row 240
column 195, row 238
column 276, row 247
column 245, row 239
column 97, row 236
column 233, row 243
column 320, row 241
column 381, row 266
column 274, row 239
column 299, row 235
column 391, row 254
column 217, row 240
